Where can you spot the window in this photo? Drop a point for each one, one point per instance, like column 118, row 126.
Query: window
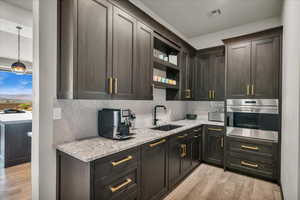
column 15, row 91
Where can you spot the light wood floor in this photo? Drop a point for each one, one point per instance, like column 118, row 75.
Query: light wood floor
column 15, row 182
column 211, row 183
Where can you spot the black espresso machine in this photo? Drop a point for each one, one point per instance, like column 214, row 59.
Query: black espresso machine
column 115, row 123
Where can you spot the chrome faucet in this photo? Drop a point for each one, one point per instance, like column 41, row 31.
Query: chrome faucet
column 155, row 112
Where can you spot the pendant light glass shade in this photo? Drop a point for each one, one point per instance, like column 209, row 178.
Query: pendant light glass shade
column 18, row 67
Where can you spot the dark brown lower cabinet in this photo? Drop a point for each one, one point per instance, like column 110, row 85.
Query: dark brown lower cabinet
column 213, row 151
column 197, row 147
column 115, row 177
column 253, row 157
column 154, row 169
column 184, row 154
column 15, row 144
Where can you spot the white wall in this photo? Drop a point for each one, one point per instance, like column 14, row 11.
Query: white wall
column 10, row 17
column 44, row 90
column 215, row 39
column 152, row 14
column 290, row 170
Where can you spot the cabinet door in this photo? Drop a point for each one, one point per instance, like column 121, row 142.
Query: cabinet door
column 201, row 78
column 184, row 66
column 265, row 68
column 94, row 48
column 124, row 55
column 186, row 161
column 218, row 76
column 197, row 147
column 238, row 70
column 17, row 144
column 174, row 161
column 145, row 62
column 154, row 167
column 214, row 144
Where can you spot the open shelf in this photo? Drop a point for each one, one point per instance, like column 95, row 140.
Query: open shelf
column 165, row 86
column 163, row 65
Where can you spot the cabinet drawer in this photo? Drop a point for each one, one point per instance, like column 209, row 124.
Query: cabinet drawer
column 116, row 164
column 215, row 129
column 120, row 188
column 254, row 165
column 251, row 147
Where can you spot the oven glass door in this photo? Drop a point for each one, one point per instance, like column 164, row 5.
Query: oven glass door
column 261, row 121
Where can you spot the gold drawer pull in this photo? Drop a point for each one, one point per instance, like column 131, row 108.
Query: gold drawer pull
column 121, row 161
column 249, row 147
column 188, row 94
column 116, row 86
column 110, row 87
column 183, row 148
column 249, row 164
column 248, row 90
column 157, row 143
column 252, row 90
column 209, row 94
column 182, row 136
column 114, row 189
column 215, row 129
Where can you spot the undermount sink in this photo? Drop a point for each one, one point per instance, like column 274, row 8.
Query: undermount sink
column 167, row 127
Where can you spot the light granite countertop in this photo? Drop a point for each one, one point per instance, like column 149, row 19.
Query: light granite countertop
column 88, row 150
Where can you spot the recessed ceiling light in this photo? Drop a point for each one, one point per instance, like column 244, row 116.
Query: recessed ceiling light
column 215, row 13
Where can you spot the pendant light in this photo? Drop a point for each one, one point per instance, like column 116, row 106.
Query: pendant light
column 18, row 67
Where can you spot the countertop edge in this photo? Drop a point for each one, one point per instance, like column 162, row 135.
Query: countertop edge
column 150, row 139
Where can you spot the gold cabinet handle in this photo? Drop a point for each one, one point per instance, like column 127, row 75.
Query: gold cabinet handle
column 116, row 163
column 248, row 90
column 110, row 85
column 209, row 94
column 157, row 143
column 182, row 136
column 215, row 129
column 114, row 189
column 249, row 147
column 116, row 85
column 249, row 164
column 252, row 90
column 188, row 93
column 222, row 142
column 213, row 94
column 183, row 148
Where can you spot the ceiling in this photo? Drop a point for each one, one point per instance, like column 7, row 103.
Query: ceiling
column 25, row 4
column 191, row 17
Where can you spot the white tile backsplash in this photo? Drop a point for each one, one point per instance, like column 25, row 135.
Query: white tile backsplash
column 79, row 117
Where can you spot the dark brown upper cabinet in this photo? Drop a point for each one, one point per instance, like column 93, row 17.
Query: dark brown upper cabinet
column 265, row 67
column 105, row 53
column 238, row 70
column 209, row 75
column 85, row 49
column 253, row 65
column 144, row 62
column 124, row 55
column 187, row 63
